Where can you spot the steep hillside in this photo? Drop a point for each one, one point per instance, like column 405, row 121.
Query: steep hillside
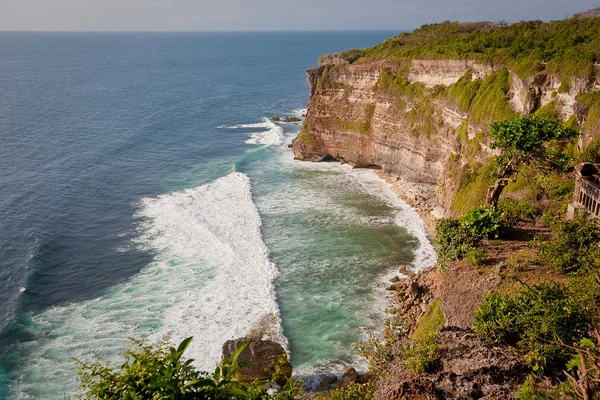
column 419, row 105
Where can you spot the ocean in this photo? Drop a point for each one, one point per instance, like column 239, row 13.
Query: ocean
column 145, row 191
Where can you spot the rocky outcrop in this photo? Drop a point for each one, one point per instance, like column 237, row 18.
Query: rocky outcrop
column 468, row 368
column 263, row 354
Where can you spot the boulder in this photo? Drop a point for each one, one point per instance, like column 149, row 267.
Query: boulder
column 413, row 290
column 394, row 279
column 327, row 382
column 350, row 376
column 263, row 354
column 291, row 119
column 275, row 117
column 366, row 377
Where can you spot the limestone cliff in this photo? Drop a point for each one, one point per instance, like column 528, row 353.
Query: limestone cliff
column 422, row 121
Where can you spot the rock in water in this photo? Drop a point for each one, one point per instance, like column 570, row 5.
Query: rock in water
column 275, row 118
column 264, row 355
column 350, row 376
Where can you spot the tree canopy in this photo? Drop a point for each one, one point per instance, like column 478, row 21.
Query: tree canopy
column 532, row 141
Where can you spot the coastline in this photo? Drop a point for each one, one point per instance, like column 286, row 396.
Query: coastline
column 399, row 189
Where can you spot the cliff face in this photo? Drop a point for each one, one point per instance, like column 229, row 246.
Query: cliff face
column 409, row 118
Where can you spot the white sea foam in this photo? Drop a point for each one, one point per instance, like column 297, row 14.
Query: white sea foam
column 407, row 217
column 272, row 134
column 220, row 225
column 211, row 278
column 299, row 112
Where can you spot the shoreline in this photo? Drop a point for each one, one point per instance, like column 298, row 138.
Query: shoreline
column 399, row 190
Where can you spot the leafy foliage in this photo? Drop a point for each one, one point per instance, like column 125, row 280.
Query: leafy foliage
column 584, row 369
column 535, row 320
column 160, row 372
column 530, row 141
column 525, row 140
column 568, row 46
column 574, row 245
column 515, row 211
column 483, row 222
column 452, row 241
column 353, row 391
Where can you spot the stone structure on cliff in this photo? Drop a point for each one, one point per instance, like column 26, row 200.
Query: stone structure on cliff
column 587, row 190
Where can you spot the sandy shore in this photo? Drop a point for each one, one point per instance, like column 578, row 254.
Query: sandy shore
column 397, row 187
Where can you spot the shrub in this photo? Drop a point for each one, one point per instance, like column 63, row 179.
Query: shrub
column 515, row 211
column 476, row 256
column 483, row 222
column 160, row 372
column 452, row 241
column 573, row 246
column 353, row 391
column 591, row 152
column 535, row 320
column 421, row 355
column 584, row 367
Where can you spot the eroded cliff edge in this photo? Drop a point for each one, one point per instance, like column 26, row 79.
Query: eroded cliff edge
column 425, row 122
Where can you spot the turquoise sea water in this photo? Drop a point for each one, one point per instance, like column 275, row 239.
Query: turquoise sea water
column 145, row 191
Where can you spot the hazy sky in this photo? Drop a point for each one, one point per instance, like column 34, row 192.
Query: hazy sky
column 205, row 15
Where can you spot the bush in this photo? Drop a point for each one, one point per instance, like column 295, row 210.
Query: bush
column 573, row 246
column 476, row 256
column 534, row 320
column 160, row 372
column 452, row 241
column 421, row 355
column 515, row 211
column 483, row 222
column 353, row 391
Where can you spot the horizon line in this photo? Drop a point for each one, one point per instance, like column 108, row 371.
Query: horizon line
column 201, row 31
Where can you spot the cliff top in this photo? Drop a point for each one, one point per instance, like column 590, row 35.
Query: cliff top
column 571, row 46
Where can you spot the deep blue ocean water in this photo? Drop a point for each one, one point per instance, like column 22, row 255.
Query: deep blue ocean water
column 145, row 191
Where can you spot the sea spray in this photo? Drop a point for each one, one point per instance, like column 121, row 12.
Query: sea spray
column 272, row 134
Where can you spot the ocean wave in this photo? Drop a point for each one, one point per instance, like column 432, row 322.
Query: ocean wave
column 272, row 134
column 219, row 224
column 211, row 278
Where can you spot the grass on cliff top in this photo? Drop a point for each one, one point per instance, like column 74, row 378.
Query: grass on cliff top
column 568, row 46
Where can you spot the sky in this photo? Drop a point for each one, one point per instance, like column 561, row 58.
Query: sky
column 269, row 15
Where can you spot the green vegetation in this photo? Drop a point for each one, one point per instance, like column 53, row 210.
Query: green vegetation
column 535, row 320
column 490, row 102
column 531, row 141
column 353, row 391
column 473, row 182
column 453, row 241
column 483, row 222
column 592, row 152
column 573, row 246
column 515, row 211
column 569, row 46
column 565, row 84
column 584, row 369
column 160, row 372
column 421, row 352
column 429, row 322
column 306, row 138
column 548, row 111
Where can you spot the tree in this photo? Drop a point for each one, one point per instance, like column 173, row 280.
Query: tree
column 530, row 141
